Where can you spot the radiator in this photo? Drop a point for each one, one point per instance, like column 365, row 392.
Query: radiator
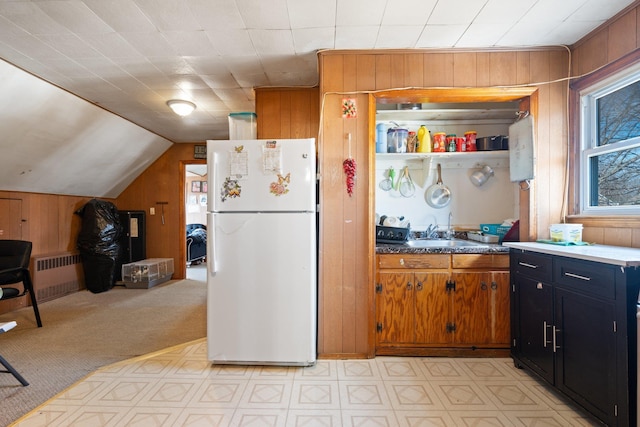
column 56, row 275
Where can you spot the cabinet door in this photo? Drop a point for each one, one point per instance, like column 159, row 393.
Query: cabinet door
column 395, row 308
column 499, row 308
column 471, row 308
column 432, row 308
column 533, row 309
column 586, row 352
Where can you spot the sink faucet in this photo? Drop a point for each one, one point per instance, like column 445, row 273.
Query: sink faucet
column 450, row 232
column 431, row 232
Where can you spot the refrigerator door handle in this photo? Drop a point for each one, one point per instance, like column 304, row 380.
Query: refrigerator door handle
column 211, row 245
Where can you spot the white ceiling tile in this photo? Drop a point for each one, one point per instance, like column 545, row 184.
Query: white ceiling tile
column 148, row 43
column 398, row 36
column 455, row 12
column 503, row 11
column 408, row 12
column 360, row 12
column 571, row 31
column 171, row 65
column 221, row 81
column 29, row 16
column 169, row 15
column 440, row 36
column 272, row 42
column 264, row 15
column 311, row 13
column 479, row 35
column 190, row 43
column 210, row 64
column 231, row 42
column 75, row 15
column 552, row 9
column 121, row 15
column 249, row 80
column 313, row 39
column 111, row 45
column 216, row 14
column 352, row 37
column 529, row 33
column 69, row 45
column 594, row 10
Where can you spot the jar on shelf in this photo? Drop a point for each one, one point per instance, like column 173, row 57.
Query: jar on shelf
column 439, row 142
column 451, row 142
column 470, row 137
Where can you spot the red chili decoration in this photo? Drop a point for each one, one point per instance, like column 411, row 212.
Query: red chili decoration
column 349, row 166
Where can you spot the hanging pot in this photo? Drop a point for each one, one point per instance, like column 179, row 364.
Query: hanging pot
column 438, row 195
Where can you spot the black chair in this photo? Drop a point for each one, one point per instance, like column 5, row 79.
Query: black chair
column 14, row 268
column 5, row 327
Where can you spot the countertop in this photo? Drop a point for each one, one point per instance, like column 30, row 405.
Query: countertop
column 486, row 248
column 617, row 255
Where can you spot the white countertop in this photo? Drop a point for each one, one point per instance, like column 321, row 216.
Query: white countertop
column 617, row 255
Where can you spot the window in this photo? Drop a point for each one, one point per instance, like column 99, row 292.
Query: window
column 610, row 151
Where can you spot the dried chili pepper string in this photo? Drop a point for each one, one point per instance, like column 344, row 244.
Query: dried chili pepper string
column 349, row 167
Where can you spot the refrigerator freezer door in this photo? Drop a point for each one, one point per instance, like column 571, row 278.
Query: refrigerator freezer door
column 261, row 175
column 261, row 299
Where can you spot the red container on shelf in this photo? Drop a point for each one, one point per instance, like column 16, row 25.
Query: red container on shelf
column 470, row 138
column 461, row 144
column 439, row 142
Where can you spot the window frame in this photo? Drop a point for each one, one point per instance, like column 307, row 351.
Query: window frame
column 587, row 143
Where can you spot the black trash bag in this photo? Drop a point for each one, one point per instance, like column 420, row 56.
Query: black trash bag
column 98, row 243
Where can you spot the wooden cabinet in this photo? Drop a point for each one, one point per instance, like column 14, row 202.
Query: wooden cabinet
column 436, row 304
column 574, row 326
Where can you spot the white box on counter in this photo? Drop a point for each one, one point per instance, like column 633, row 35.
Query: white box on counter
column 565, row 232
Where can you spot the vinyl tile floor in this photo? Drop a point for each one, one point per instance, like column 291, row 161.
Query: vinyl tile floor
column 179, row 387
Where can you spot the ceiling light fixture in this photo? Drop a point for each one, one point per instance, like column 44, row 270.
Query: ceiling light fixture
column 180, row 107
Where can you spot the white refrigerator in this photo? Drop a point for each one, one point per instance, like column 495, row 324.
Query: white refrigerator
column 261, row 252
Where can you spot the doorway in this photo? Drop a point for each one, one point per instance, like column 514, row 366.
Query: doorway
column 195, row 215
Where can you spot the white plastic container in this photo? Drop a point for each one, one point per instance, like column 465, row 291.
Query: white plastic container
column 566, row 232
column 243, row 125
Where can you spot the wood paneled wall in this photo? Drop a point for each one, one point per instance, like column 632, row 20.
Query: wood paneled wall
column 347, row 250
column 163, row 181
column 606, row 50
column 46, row 220
column 288, row 112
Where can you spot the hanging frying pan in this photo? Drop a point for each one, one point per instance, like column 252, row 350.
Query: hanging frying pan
column 438, row 195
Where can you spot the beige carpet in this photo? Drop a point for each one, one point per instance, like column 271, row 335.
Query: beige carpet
column 85, row 331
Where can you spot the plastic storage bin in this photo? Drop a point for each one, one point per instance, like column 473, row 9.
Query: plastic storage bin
column 566, row 232
column 147, row 273
column 243, row 126
column 495, row 230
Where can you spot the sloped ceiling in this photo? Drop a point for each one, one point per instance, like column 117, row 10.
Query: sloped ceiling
column 54, row 142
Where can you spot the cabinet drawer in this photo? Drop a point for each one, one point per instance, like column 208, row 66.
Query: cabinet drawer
column 533, row 265
column 414, row 261
column 587, row 277
column 491, row 261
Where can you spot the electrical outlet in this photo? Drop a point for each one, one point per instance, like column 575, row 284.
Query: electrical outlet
column 152, row 211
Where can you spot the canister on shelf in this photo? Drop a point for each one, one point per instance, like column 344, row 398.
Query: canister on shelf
column 439, row 142
column 412, row 141
column 470, row 137
column 461, row 144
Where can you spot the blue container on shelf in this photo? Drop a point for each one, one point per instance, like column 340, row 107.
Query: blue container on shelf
column 381, row 138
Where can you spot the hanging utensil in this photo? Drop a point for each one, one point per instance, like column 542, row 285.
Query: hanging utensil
column 388, row 183
column 406, row 186
column 438, row 195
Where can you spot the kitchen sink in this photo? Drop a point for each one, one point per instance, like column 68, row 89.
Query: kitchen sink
column 442, row 243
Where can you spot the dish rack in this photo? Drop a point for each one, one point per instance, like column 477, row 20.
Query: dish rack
column 391, row 234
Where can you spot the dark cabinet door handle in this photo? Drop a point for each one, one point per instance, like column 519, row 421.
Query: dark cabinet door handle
column 419, row 286
column 483, row 286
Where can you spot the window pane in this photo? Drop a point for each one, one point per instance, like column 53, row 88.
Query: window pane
column 618, row 178
column 619, row 115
